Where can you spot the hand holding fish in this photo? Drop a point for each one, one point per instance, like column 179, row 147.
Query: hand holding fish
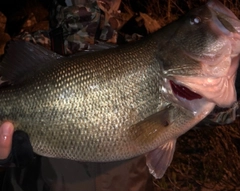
column 6, row 132
column 15, row 147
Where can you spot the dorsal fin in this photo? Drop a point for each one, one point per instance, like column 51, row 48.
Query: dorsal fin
column 24, row 59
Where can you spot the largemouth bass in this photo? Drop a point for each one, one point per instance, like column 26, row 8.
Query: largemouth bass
column 127, row 101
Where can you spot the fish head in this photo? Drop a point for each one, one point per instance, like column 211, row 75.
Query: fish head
column 201, row 56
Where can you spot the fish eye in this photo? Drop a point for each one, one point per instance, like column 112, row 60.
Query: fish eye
column 195, row 20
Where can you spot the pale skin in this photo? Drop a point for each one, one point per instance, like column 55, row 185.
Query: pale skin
column 6, row 132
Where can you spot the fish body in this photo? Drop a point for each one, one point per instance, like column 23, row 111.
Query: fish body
column 126, row 101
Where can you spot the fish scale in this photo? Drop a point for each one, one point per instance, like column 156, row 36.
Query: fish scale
column 85, row 99
column 127, row 101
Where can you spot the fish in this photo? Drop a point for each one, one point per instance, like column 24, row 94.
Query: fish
column 132, row 100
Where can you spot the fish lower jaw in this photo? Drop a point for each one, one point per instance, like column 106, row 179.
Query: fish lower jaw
column 196, row 106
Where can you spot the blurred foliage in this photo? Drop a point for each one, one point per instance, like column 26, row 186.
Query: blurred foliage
column 166, row 11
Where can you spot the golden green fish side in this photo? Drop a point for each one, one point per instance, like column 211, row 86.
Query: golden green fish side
column 81, row 108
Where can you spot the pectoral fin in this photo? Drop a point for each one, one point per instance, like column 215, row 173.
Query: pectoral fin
column 159, row 160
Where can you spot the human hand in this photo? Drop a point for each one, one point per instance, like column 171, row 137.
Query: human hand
column 15, row 147
column 6, row 133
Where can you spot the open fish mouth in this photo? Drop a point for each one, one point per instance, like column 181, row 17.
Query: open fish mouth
column 183, row 91
column 192, row 92
column 184, row 96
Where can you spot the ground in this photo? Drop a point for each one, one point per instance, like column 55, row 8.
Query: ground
column 206, row 158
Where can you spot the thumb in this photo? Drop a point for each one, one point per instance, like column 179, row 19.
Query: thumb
column 6, row 132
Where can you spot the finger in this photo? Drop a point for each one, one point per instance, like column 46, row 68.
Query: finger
column 6, row 132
